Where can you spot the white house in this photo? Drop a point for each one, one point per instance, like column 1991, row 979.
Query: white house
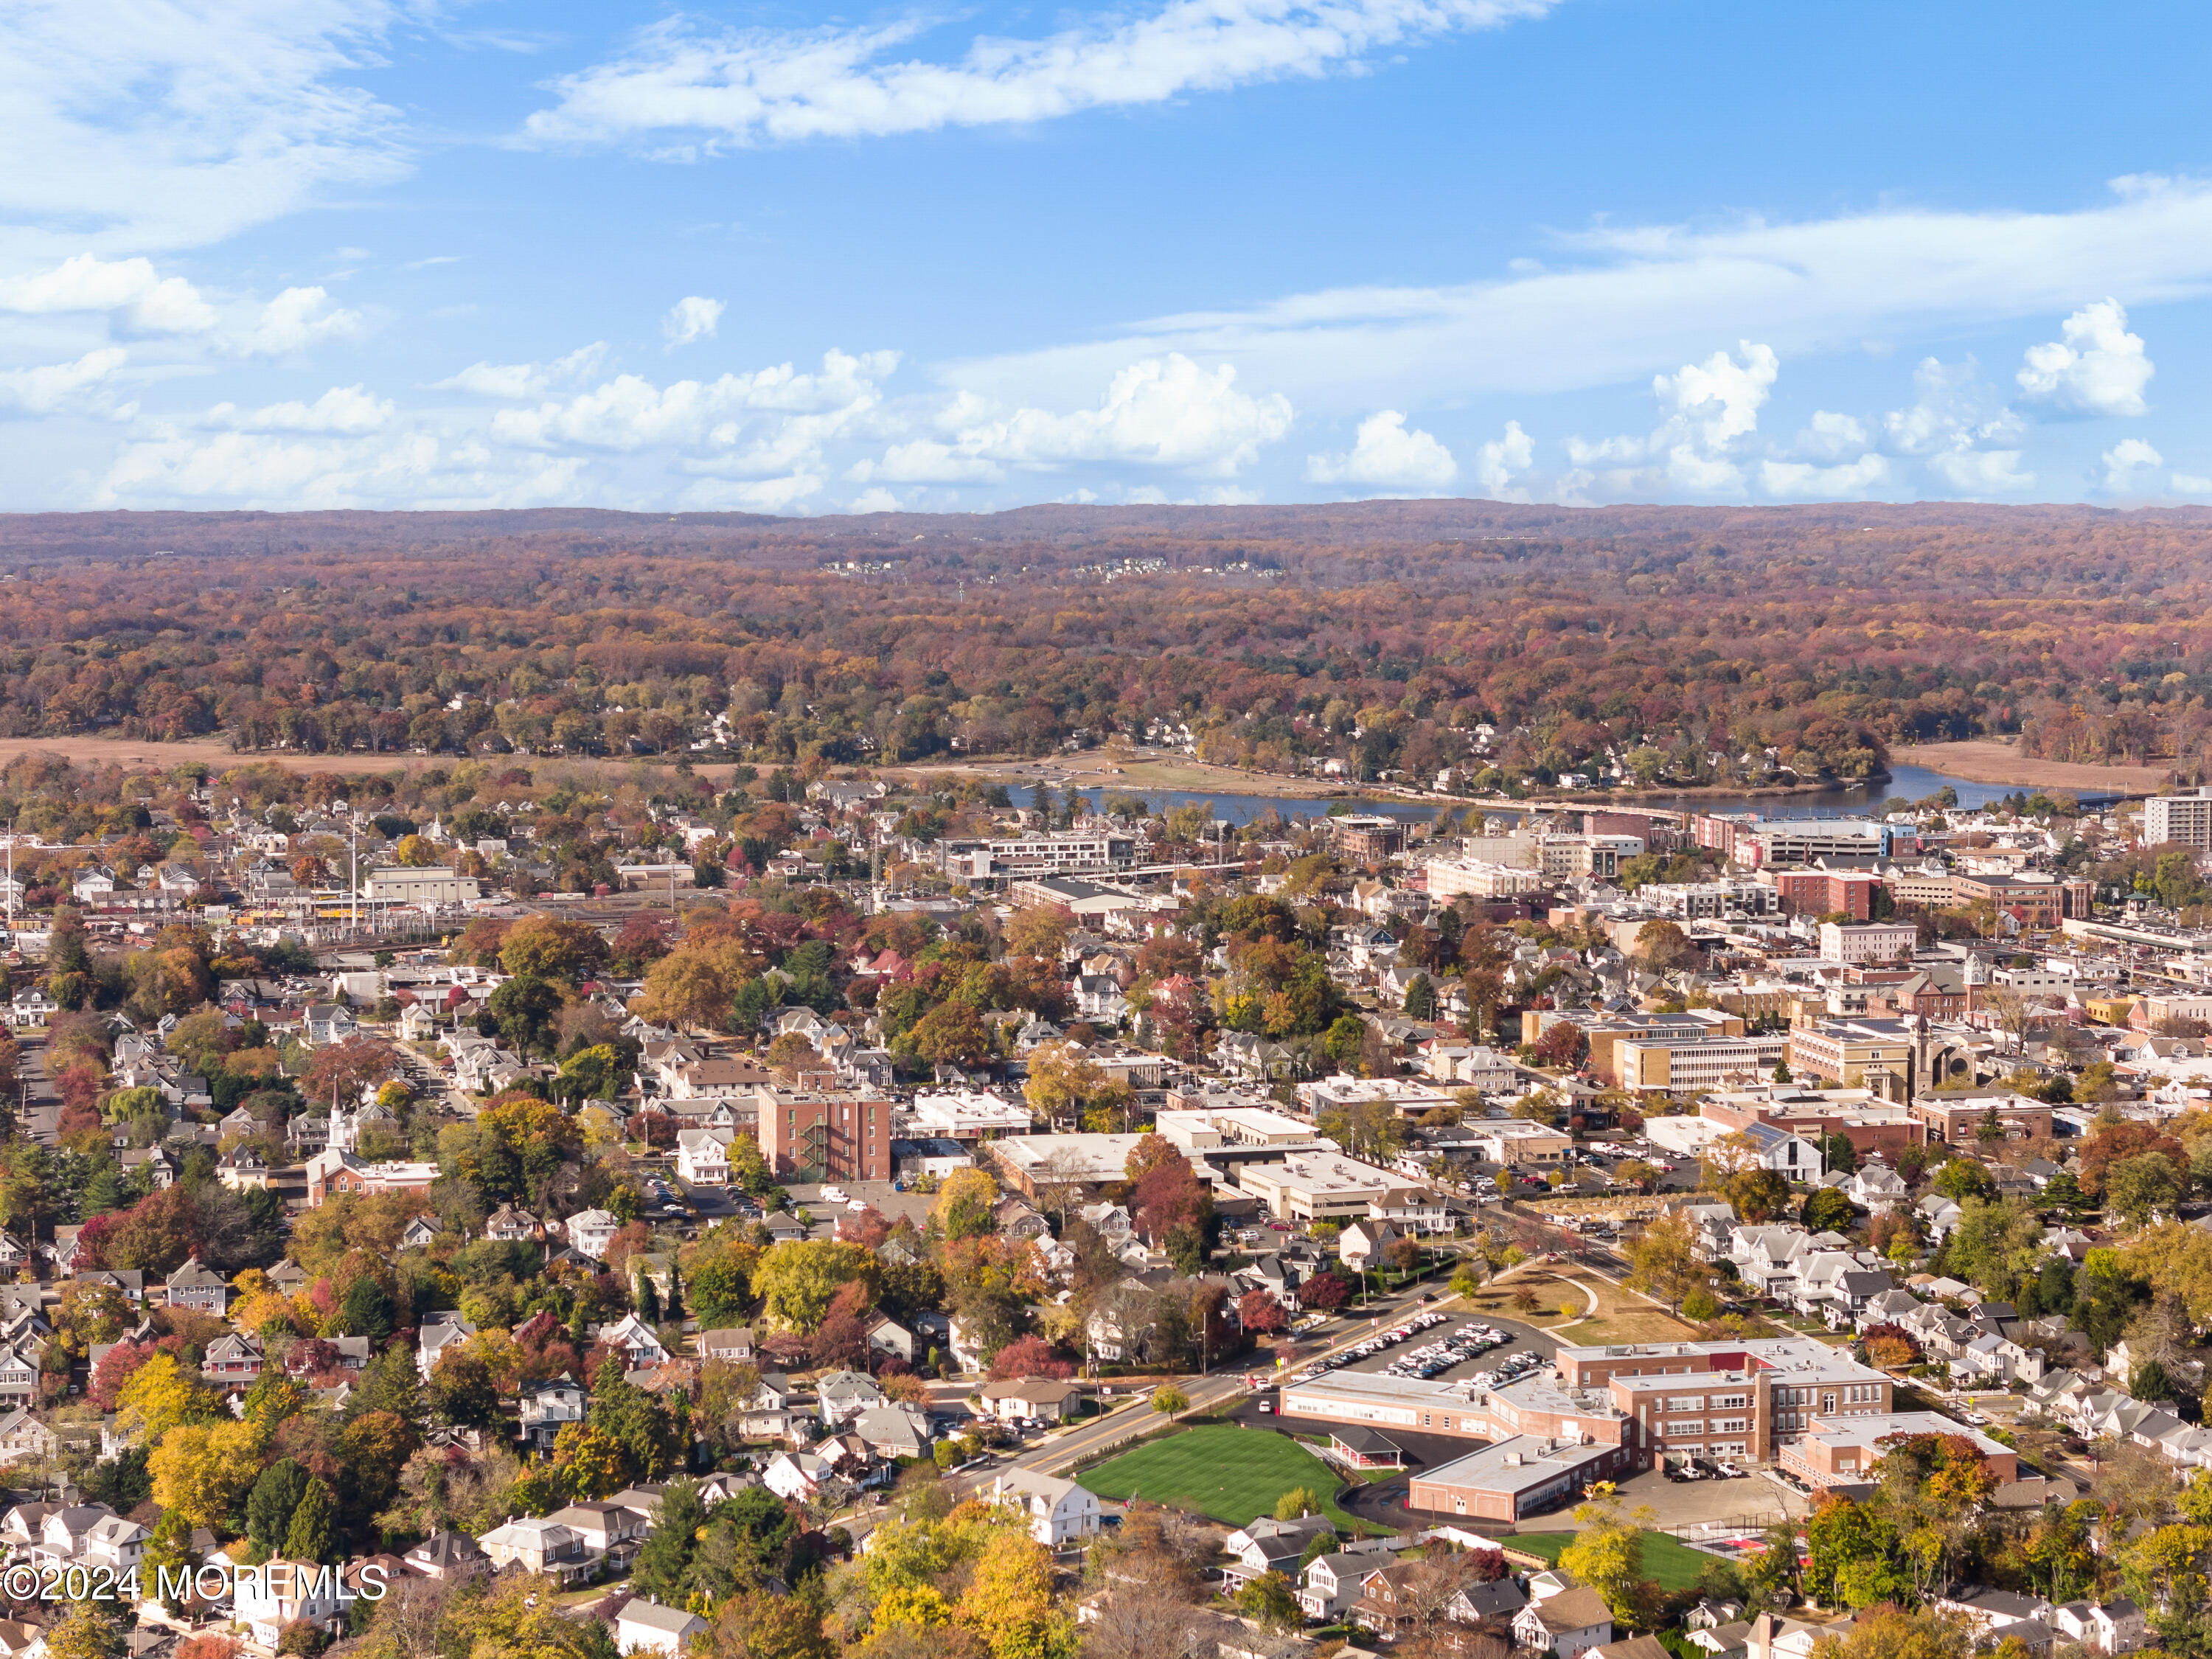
column 265, row 1599
column 702, row 1157
column 1566, row 1625
column 635, row 1340
column 648, row 1627
column 590, row 1232
column 1059, row 1511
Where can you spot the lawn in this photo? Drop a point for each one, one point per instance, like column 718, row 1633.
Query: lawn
column 1234, row 1475
column 1673, row 1563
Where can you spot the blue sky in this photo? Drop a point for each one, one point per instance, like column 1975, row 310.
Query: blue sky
column 392, row 253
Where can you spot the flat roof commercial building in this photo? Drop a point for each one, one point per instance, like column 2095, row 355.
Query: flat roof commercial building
column 1689, row 1066
column 1840, row 1451
column 1326, row 1187
column 1029, row 1162
column 1514, row 1477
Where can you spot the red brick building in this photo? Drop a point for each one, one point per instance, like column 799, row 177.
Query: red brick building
column 844, row 1134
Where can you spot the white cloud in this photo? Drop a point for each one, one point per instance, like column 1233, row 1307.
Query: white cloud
column 1947, row 426
column 878, row 500
column 2125, row 463
column 294, row 320
column 1385, row 453
column 41, row 390
column 629, row 412
column 1499, row 460
column 150, row 302
column 1711, row 406
column 761, row 496
column 692, row 318
column 721, row 88
column 1802, row 481
column 525, row 380
column 1829, row 436
column 351, row 409
column 1163, row 411
column 2098, row 368
column 1633, row 299
column 924, row 461
column 150, row 124
column 2188, row 483
column 413, row 469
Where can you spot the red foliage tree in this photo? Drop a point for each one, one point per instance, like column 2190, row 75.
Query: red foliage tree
column 1260, row 1314
column 1324, row 1291
column 117, row 1366
column 1029, row 1355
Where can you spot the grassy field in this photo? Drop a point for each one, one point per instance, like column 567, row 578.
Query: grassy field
column 1673, row 1563
column 1234, row 1475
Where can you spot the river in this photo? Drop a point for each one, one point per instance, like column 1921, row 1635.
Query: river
column 1904, row 783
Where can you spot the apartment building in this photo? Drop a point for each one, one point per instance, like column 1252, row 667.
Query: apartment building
column 1688, row 1065
column 1823, row 892
column 1467, row 878
column 2186, row 819
column 1868, row 941
column 1804, row 841
column 1368, row 837
column 1590, row 857
column 1078, row 852
column 834, row 1134
column 2036, row 902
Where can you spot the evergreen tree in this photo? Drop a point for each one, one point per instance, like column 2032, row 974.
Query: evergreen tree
column 666, row 1559
column 268, row 1508
column 674, row 1311
column 367, row 1311
column 171, row 1548
column 311, row 1535
column 647, row 1299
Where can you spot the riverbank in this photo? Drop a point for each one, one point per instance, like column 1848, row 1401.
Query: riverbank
column 1998, row 759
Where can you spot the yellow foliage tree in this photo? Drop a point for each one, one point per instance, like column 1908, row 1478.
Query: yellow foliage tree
column 1008, row 1603
column 201, row 1470
column 160, row 1396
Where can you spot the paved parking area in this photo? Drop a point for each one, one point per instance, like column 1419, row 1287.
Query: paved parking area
column 1525, row 1338
column 1683, row 1503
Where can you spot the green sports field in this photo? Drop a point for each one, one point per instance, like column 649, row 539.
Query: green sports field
column 1234, row 1475
column 1673, row 1564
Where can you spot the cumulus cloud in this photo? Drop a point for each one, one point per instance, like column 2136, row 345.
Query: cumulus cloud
column 1710, row 407
column 52, row 386
column 1829, row 436
column 149, row 302
column 692, row 318
column 1384, row 452
column 1499, row 460
column 525, row 380
column 345, row 409
column 1164, row 411
column 693, row 89
column 2098, row 368
column 1961, row 444
column 1803, row 480
column 296, row 319
column 2127, row 464
column 629, row 412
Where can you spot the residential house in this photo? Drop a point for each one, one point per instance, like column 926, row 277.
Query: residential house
column 702, row 1157
column 440, row 1331
column 646, row 1626
column 1330, row 1583
column 1365, row 1245
column 1031, row 1400
column 445, row 1555
column 897, row 1430
column 197, row 1287
column 590, row 1232
column 23, row 1437
column 1567, row 1625
column 732, row 1343
column 269, row 1598
column 548, row 1407
column 540, row 1545
column 2112, row 1627
column 608, row 1530
column 508, row 1225
column 634, row 1339
column 842, row 1396
column 1060, row 1512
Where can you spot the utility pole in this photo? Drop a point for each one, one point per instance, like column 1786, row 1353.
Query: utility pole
column 356, row 894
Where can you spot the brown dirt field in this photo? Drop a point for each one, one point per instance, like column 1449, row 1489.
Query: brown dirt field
column 1990, row 761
